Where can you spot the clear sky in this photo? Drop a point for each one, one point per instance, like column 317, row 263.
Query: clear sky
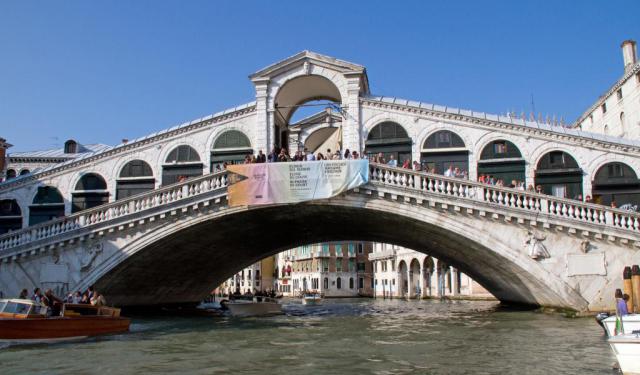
column 102, row 71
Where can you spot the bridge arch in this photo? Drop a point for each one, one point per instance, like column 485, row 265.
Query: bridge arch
column 10, row 215
column 47, row 204
column 209, row 248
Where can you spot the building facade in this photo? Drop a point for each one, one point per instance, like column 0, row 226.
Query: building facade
column 404, row 273
column 4, row 145
column 258, row 277
column 334, row 269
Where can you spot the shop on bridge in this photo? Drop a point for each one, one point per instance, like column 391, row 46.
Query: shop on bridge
column 48, row 204
column 559, row 174
column 389, row 139
column 10, row 216
column 443, row 149
column 502, row 160
column 91, row 191
column 136, row 177
column 181, row 163
column 616, row 182
column 231, row 147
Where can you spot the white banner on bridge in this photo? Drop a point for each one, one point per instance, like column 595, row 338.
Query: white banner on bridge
column 271, row 183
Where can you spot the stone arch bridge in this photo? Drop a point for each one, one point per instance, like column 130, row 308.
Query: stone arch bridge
column 172, row 244
column 147, row 221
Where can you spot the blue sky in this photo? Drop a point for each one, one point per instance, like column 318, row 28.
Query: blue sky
column 102, row 71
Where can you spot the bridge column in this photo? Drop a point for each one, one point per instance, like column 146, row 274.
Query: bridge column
column 261, row 132
column 455, row 286
column 409, row 277
column 351, row 129
column 421, row 283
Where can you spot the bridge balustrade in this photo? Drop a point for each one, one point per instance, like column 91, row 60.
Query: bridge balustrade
column 421, row 182
column 120, row 209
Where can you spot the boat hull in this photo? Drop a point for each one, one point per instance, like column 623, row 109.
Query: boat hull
column 46, row 329
column 630, row 323
column 311, row 301
column 627, row 351
column 254, row 309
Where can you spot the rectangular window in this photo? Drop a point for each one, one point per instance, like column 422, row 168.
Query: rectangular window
column 352, row 265
column 338, row 250
column 325, row 265
column 361, row 283
column 393, row 266
column 360, row 248
column 604, row 107
column 361, row 266
column 619, row 94
column 352, row 250
column 325, row 250
column 500, row 148
column 338, row 264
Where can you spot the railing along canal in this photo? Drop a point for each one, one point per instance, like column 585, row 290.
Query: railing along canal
column 523, row 201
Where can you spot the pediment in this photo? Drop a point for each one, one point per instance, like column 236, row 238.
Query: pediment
column 307, row 57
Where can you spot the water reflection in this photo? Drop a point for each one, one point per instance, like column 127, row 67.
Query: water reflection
column 340, row 336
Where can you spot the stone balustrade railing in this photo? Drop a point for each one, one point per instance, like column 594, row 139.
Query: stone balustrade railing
column 126, row 207
column 523, row 201
column 519, row 200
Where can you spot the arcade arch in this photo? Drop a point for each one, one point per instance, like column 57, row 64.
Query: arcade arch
column 11, row 173
column 47, row 204
column 616, row 182
column 10, row 215
column 231, row 147
column 181, row 163
column 90, row 191
column 389, row 138
column 444, row 149
column 559, row 174
column 503, row 160
column 135, row 177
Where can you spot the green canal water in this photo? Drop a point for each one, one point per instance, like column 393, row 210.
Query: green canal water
column 354, row 336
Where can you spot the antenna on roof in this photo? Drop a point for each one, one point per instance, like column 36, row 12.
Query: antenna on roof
column 533, row 104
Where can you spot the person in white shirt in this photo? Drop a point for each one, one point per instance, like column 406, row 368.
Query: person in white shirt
column 449, row 172
column 392, row 161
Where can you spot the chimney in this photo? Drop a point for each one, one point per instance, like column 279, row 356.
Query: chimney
column 629, row 53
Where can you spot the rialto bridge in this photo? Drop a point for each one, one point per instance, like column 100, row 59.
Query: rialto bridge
column 127, row 220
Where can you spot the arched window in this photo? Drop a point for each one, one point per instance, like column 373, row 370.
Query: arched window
column 559, row 174
column 230, row 147
column 389, row 138
column 442, row 150
column 351, row 283
column 616, row 182
column 181, row 163
column 11, row 173
column 48, row 204
column 325, row 283
column 90, row 191
column 502, row 160
column 136, row 177
column 10, row 216
column 338, row 283
column 24, row 172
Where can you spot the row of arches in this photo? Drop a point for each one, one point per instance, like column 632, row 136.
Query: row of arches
column 12, row 173
column 556, row 172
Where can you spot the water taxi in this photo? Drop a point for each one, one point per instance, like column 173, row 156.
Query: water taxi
column 626, row 347
column 311, row 298
column 242, row 306
column 25, row 321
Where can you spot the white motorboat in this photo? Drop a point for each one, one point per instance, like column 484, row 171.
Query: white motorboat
column 630, row 323
column 253, row 306
column 311, row 298
column 626, row 347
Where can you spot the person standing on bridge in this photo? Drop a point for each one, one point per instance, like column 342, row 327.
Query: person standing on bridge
column 392, row 161
column 261, row 158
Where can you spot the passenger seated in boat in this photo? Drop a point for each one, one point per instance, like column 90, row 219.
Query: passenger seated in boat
column 37, row 295
column 24, row 294
column 98, row 300
column 52, row 302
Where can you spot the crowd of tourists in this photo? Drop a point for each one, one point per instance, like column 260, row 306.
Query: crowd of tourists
column 54, row 303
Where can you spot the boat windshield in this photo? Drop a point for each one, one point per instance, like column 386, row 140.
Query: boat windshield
column 13, row 307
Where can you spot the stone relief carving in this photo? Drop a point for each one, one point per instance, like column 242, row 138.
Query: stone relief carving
column 88, row 257
column 535, row 247
column 585, row 246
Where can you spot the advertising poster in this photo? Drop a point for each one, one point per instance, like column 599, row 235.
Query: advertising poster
column 271, row 183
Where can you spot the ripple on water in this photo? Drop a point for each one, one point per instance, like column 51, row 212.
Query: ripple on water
column 340, row 336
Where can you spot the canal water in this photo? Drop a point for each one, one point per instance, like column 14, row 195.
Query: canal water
column 350, row 336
